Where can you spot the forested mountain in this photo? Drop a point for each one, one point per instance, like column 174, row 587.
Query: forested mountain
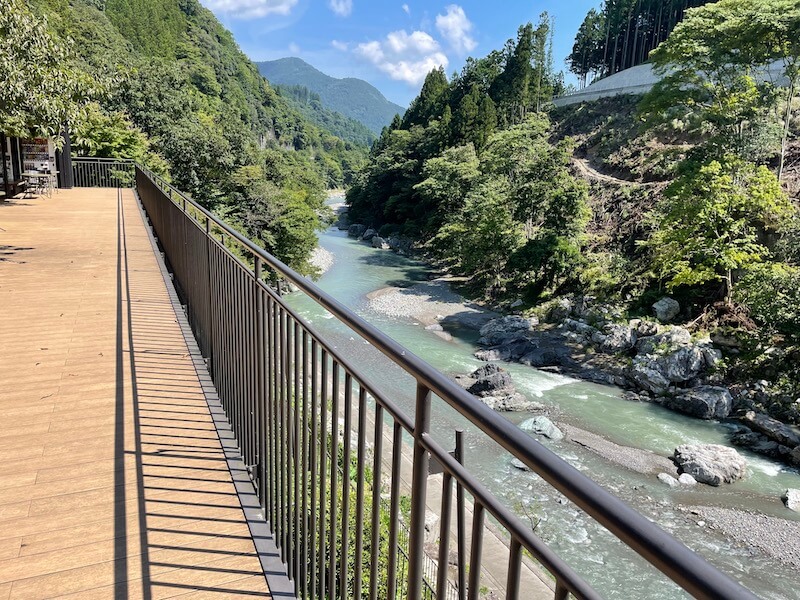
column 177, row 85
column 309, row 104
column 351, row 97
column 622, row 34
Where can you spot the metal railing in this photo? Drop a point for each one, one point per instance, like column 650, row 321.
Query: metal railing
column 103, row 172
column 326, row 448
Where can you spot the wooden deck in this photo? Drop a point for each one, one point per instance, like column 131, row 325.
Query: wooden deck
column 113, row 481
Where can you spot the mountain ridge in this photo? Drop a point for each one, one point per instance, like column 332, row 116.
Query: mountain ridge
column 350, row 96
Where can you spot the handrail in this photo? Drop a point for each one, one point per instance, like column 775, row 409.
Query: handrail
column 679, row 563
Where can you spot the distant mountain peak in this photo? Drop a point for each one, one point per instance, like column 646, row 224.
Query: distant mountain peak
column 354, row 98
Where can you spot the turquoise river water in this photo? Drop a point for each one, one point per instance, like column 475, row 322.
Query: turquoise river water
column 610, row 566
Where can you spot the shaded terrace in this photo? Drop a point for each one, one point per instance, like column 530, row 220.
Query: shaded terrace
column 113, row 478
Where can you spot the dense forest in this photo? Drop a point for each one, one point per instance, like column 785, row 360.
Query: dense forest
column 622, row 34
column 310, row 105
column 693, row 200
column 172, row 88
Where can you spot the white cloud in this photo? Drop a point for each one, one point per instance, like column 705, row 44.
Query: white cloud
column 251, row 9
column 406, row 9
column 294, row 48
column 403, row 56
column 341, row 7
column 455, row 27
column 342, row 46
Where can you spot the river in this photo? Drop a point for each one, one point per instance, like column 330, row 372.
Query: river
column 608, row 565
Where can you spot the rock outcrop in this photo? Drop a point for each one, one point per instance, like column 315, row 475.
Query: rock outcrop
column 541, row 425
column 771, row 428
column 379, row 242
column 710, row 463
column 704, row 402
column 666, row 309
column 791, row 498
column 493, row 386
column 356, row 230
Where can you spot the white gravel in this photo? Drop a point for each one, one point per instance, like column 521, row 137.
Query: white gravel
column 777, row 538
column 427, row 302
column 322, row 259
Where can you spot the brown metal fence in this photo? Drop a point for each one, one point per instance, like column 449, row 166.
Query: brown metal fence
column 326, row 449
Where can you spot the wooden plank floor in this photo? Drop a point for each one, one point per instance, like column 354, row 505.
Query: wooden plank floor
column 113, row 483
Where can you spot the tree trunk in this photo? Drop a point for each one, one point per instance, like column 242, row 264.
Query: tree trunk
column 787, row 120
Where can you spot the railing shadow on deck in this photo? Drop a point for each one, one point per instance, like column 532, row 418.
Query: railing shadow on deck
column 326, row 451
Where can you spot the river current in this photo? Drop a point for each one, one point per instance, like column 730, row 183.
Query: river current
column 607, row 564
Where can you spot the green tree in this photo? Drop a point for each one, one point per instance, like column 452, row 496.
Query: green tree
column 42, row 87
column 448, row 179
column 480, row 238
column 709, row 220
column 714, row 80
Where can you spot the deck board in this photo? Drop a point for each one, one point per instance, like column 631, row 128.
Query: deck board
column 113, row 481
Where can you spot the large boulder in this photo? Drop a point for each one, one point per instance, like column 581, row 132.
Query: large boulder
column 791, row 498
column 615, row 338
column 379, row 242
column 356, row 230
column 705, row 402
column 368, row 235
column 668, row 479
column 491, row 380
column 666, row 309
column 656, row 372
column 503, row 329
column 774, row 430
column 710, row 463
column 541, row 425
column 794, row 457
column 511, row 403
column 664, row 342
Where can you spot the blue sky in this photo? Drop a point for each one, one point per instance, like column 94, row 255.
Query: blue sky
column 390, row 43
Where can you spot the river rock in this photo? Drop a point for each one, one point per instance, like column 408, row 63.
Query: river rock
column 368, row 235
column 668, row 479
column 666, row 309
column 511, row 403
column 518, row 464
column 560, row 310
column 656, row 372
column 794, row 457
column 616, row 338
column 400, row 244
column 356, row 230
column 644, row 327
column 503, row 329
column 686, row 479
column 541, row 425
column 379, row 242
column 791, row 498
column 492, row 354
column 491, row 380
column 553, row 356
column 664, row 342
column 579, row 327
column 705, row 402
column 774, row 430
column 710, row 463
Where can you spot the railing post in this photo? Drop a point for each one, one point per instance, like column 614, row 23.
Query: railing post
column 259, row 401
column 419, row 489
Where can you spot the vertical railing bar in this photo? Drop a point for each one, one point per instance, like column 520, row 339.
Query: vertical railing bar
column 348, row 413
column 313, row 470
column 461, row 523
column 419, row 485
column 334, row 479
column 361, row 459
column 561, row 592
column 444, row 534
column 271, row 423
column 323, row 501
column 476, row 550
column 283, row 500
column 260, row 404
column 296, row 448
column 304, row 535
column 394, row 509
column 377, row 462
column 514, row 567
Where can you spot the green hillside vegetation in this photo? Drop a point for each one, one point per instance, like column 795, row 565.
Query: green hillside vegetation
column 686, row 191
column 199, row 109
column 309, row 104
column 350, row 97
